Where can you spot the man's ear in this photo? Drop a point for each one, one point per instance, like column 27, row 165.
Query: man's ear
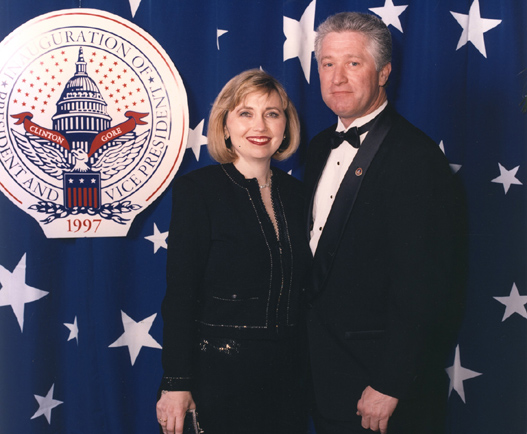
column 384, row 73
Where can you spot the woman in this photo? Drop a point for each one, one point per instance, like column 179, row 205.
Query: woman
column 237, row 257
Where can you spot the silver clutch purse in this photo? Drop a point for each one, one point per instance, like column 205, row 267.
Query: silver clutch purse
column 191, row 425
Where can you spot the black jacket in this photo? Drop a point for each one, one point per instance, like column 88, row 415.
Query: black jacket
column 227, row 274
column 386, row 287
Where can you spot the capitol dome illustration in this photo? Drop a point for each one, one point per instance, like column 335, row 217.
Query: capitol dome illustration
column 82, row 112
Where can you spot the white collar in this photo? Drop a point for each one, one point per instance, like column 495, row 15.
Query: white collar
column 359, row 122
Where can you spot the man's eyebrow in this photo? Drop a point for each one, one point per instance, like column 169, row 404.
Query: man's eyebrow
column 347, row 56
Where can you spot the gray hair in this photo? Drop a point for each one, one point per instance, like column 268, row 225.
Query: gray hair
column 378, row 35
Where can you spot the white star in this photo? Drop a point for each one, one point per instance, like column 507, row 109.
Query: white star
column 136, row 335
column 507, row 177
column 196, row 139
column 46, row 404
column 390, row 14
column 454, row 167
column 300, row 38
column 474, row 27
column 74, row 330
column 515, row 303
column 134, row 5
column 159, row 239
column 458, row 374
column 15, row 292
column 219, row 33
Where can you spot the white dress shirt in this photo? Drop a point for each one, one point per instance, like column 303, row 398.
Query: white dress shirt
column 336, row 167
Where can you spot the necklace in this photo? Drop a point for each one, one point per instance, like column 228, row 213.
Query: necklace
column 267, row 184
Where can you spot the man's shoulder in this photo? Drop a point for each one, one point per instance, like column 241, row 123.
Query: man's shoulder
column 401, row 133
column 408, row 134
column 411, row 147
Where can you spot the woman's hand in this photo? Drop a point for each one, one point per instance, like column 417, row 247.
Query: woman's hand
column 171, row 409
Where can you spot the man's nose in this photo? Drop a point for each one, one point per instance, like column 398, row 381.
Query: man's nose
column 339, row 75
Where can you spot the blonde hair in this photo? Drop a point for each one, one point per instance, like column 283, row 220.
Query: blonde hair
column 232, row 94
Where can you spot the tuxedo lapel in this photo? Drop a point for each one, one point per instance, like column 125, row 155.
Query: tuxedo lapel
column 345, row 199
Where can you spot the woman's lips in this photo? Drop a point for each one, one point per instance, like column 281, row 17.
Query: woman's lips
column 260, row 141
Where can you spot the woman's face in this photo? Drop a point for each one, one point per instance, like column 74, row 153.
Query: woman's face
column 256, row 126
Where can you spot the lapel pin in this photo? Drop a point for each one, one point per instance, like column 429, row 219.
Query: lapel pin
column 358, row 172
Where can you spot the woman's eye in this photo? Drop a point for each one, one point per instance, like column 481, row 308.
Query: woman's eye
column 273, row 114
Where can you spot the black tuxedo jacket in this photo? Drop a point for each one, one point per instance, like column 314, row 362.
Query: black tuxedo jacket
column 387, row 277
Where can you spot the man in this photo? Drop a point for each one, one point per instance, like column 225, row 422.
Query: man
column 386, row 230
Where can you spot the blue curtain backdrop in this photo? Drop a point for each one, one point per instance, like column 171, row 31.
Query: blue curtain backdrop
column 458, row 74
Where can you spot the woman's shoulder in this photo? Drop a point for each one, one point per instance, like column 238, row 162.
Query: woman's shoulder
column 285, row 178
column 288, row 184
column 201, row 175
column 204, row 171
column 197, row 182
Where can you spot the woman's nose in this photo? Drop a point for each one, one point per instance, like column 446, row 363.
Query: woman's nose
column 259, row 123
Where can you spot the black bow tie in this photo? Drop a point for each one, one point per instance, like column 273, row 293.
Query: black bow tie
column 352, row 136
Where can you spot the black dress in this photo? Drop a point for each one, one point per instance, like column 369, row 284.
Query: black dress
column 233, row 331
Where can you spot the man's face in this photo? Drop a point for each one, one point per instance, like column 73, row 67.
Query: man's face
column 349, row 82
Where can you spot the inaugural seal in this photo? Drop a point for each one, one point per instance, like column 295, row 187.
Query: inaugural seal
column 93, row 122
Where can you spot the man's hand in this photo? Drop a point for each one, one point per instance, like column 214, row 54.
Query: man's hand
column 376, row 409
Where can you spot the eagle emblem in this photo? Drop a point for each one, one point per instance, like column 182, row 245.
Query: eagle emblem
column 82, row 150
